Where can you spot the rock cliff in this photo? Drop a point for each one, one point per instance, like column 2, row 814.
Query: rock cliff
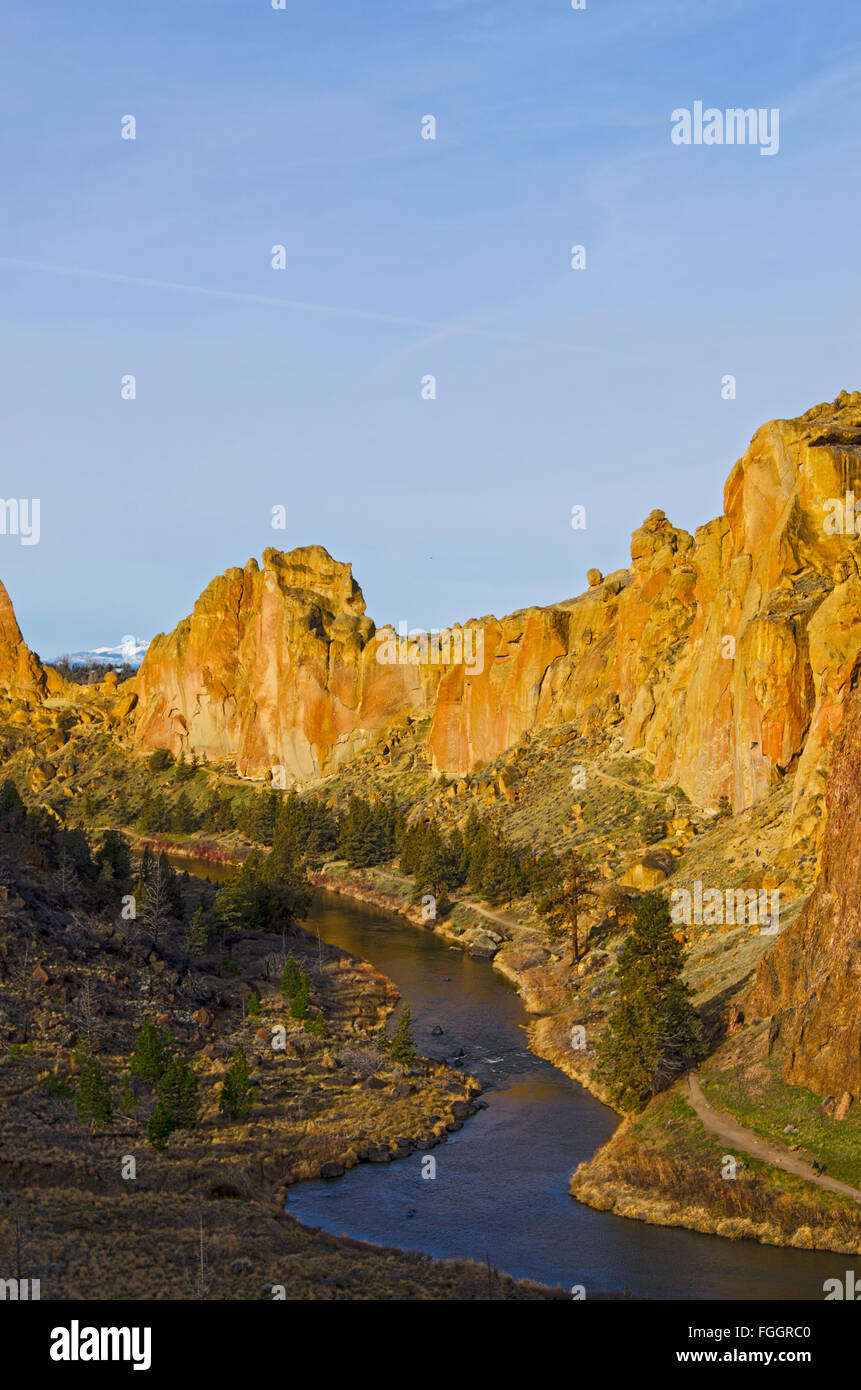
column 22, row 675
column 810, row 985
column 725, row 656
column 275, row 668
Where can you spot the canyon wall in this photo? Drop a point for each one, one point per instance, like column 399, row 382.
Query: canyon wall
column 276, row 667
column 22, row 675
column 725, row 656
column 810, row 984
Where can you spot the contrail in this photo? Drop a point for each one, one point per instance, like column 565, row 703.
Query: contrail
column 244, row 297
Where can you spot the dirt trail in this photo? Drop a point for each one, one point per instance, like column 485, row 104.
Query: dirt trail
column 629, row 786
column 725, row 1127
column 504, row 919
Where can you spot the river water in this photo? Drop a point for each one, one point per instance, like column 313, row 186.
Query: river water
column 501, row 1185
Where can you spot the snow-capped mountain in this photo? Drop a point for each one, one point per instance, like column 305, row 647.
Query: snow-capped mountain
column 130, row 651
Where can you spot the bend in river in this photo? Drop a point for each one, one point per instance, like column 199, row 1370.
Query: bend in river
column 501, row 1185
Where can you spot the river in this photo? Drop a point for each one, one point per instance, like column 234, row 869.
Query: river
column 501, row 1185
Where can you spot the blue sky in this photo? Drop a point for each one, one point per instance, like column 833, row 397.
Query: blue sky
column 405, row 256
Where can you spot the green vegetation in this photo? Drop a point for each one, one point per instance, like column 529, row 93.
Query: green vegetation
column 266, row 892
column 177, row 1094
column 300, row 1003
column 152, row 1054
column 654, row 1032
column 291, row 979
column 159, row 1127
column 401, row 1046
column 563, row 904
column 93, row 1097
column 754, row 1092
column 58, row 1084
column 237, row 1093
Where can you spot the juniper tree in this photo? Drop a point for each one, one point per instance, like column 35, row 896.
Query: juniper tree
column 653, row 1033
column 563, row 905
column 237, row 1094
column 197, row 933
column 178, row 1094
column 128, row 1100
column 317, row 1026
column 182, row 816
column 401, row 1047
column 291, row 979
column 159, row 1126
column 152, row 1053
column 114, row 850
column 147, row 862
column 93, row 1098
column 301, row 999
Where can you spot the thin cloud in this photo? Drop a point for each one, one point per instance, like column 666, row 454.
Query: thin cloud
column 242, row 296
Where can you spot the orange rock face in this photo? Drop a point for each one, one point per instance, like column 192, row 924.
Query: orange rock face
column 275, row 668
column 21, row 673
column 726, row 657
column 811, row 983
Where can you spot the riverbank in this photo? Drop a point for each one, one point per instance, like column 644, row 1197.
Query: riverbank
column 642, row 1173
column 202, row 1214
column 792, row 1212
column 520, row 952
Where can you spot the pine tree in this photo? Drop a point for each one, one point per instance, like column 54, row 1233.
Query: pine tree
column 145, row 867
column 128, row 1100
column 152, row 1053
column 93, row 1098
column 115, row 851
column 282, row 891
column 182, row 817
column 232, row 905
column 160, row 1126
column 433, row 867
column 253, row 1005
column 401, row 1047
column 106, row 889
column 291, row 979
column 654, row 1032
column 155, row 814
column 178, row 1094
column 197, row 934
column 457, row 859
column 301, row 999
column 237, row 1095
column 226, row 813
column 495, row 882
column 562, row 906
